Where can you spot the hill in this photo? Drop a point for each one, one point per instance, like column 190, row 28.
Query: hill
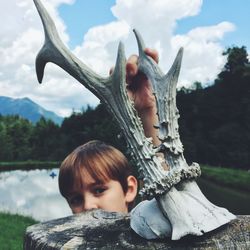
column 26, row 108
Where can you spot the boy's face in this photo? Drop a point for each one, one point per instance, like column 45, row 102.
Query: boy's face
column 108, row 196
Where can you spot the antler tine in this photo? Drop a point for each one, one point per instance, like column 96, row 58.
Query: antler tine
column 174, row 71
column 168, row 112
column 147, row 64
column 55, row 51
column 49, row 31
column 140, row 43
column 117, row 86
column 48, row 24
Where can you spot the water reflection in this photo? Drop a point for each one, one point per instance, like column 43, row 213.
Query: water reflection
column 34, row 193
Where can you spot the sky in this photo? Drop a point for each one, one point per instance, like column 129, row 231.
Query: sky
column 92, row 30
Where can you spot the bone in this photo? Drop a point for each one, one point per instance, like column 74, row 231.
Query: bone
column 183, row 205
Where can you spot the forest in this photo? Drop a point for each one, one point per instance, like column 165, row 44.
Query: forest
column 214, row 123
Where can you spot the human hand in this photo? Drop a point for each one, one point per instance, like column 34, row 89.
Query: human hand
column 138, row 86
column 140, row 92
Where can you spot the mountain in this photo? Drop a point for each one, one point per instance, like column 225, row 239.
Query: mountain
column 26, row 108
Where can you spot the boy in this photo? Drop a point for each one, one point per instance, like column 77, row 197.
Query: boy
column 96, row 175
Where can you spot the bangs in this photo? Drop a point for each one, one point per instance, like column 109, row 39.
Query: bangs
column 101, row 166
column 69, row 180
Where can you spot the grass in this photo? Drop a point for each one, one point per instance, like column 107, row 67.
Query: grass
column 28, row 165
column 234, row 178
column 12, row 228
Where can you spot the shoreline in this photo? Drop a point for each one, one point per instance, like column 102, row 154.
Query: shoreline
column 28, row 165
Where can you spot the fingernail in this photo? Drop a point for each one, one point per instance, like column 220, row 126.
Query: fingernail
column 131, row 72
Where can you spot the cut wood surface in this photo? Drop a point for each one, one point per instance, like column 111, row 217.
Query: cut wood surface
column 98, row 229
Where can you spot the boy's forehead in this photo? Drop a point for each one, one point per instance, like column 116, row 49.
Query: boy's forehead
column 94, row 174
column 85, row 180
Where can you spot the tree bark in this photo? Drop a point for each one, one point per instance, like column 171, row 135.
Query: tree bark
column 98, row 229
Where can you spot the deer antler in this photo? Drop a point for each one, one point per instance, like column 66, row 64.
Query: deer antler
column 176, row 196
column 186, row 210
column 164, row 89
column 112, row 92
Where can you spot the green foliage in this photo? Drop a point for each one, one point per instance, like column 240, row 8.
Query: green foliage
column 91, row 124
column 21, row 140
column 233, row 178
column 12, row 228
column 215, row 121
column 15, row 135
column 28, row 165
column 45, row 140
column 236, row 60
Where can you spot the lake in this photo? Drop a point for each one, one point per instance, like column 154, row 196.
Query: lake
column 35, row 193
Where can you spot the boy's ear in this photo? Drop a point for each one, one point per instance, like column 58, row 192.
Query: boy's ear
column 132, row 189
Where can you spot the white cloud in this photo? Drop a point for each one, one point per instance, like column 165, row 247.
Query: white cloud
column 203, row 58
column 156, row 20
column 22, row 39
column 100, row 44
column 145, row 11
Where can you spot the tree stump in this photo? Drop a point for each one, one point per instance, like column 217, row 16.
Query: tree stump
column 98, row 229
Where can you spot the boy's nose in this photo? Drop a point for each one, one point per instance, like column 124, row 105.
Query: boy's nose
column 90, row 203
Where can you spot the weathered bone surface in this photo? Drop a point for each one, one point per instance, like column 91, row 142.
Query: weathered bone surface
column 187, row 209
column 179, row 199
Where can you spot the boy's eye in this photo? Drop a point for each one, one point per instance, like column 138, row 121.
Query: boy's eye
column 99, row 190
column 76, row 200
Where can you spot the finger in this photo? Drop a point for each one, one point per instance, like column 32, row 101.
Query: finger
column 111, row 70
column 131, row 66
column 152, row 53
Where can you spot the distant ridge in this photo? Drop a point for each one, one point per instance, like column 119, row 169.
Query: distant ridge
column 26, row 108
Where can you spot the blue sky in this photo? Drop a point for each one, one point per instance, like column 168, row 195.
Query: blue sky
column 93, row 15
column 215, row 11
column 212, row 11
column 92, row 29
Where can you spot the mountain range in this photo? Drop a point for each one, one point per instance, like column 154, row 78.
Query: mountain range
column 26, row 108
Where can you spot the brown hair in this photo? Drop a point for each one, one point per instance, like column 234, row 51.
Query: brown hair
column 97, row 159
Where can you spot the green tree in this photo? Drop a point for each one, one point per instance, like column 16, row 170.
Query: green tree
column 237, row 59
column 6, row 145
column 15, row 135
column 45, row 140
column 216, row 118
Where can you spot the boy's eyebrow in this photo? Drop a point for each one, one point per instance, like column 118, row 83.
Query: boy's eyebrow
column 95, row 183
column 88, row 185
